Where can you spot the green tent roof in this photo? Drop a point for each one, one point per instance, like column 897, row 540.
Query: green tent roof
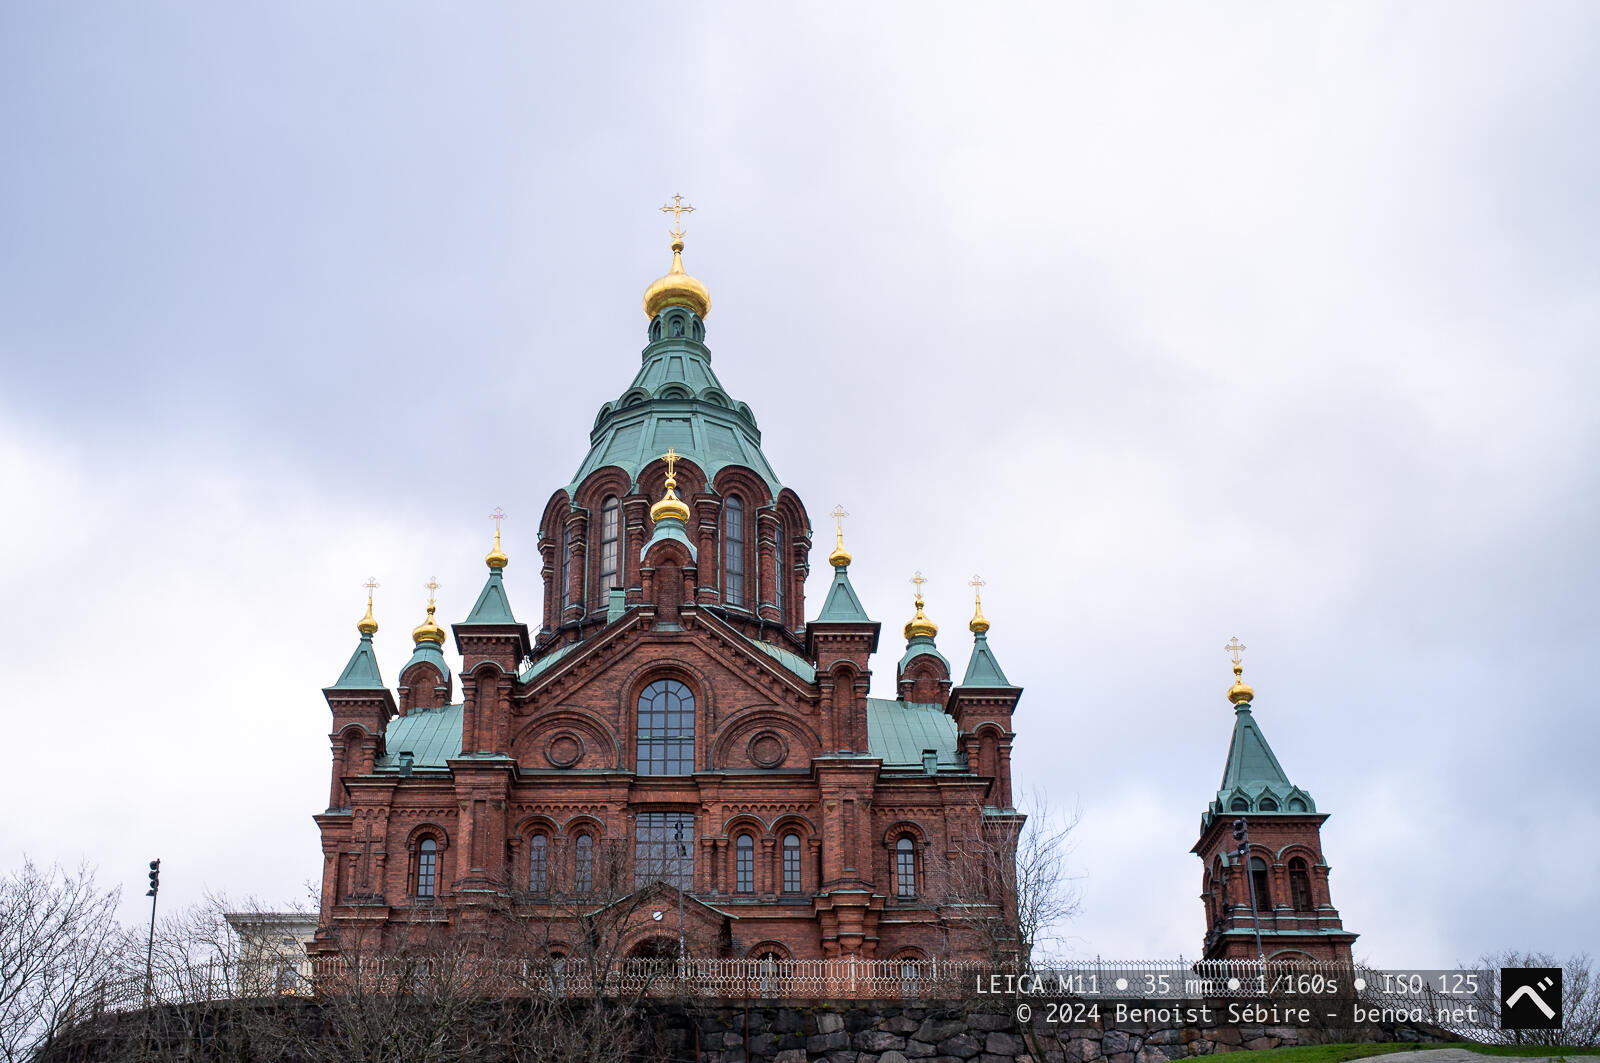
column 362, row 671
column 840, row 605
column 1252, row 780
column 492, row 607
column 982, row 669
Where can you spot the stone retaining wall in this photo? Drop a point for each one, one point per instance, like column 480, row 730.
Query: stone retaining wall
column 876, row 1032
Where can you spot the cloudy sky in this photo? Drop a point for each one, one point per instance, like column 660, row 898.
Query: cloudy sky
column 1175, row 322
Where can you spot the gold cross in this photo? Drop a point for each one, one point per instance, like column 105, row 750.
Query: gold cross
column 497, row 516
column 677, row 208
column 432, row 585
column 838, row 516
column 671, row 456
column 1235, row 647
column 919, row 580
column 975, row 583
column 371, row 585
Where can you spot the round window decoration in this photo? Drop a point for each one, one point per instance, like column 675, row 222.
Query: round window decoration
column 564, row 749
column 768, row 749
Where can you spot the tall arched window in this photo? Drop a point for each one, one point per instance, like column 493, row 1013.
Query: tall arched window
column 1258, row 882
column 733, row 551
column 744, row 864
column 565, row 597
column 791, row 863
column 666, row 729
column 427, row 868
column 1299, row 885
column 905, row 866
column 538, row 863
column 583, row 864
column 778, row 572
column 610, row 529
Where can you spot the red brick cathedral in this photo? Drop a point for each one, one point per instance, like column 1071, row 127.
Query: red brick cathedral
column 1265, row 894
column 679, row 725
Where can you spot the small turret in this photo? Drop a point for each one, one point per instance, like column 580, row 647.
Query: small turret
column 841, row 641
column 923, row 674
column 425, row 679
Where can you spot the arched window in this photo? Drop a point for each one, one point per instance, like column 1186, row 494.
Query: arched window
column 538, row 863
column 666, row 729
column 583, row 864
column 905, row 866
column 1268, row 805
column 610, row 528
column 777, row 571
column 744, row 864
column 565, row 597
column 733, row 551
column 791, row 863
column 1258, row 882
column 1296, row 805
column 427, row 868
column 1239, row 805
column 1299, row 885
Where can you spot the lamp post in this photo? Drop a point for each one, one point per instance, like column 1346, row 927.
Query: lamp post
column 150, row 946
column 677, row 836
column 1241, row 834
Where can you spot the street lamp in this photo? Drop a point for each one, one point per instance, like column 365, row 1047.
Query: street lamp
column 150, row 946
column 1241, row 834
column 677, row 836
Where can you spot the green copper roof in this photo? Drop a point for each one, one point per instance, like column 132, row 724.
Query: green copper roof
column 919, row 646
column 676, row 401
column 898, row 732
column 431, row 736
column 840, row 605
column 492, row 607
column 982, row 669
column 549, row 659
column 792, row 661
column 669, row 528
column 362, row 671
column 1253, row 781
column 429, row 652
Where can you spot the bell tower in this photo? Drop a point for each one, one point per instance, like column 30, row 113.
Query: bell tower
column 1261, row 848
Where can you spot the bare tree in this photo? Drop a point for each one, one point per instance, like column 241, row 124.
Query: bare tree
column 1009, row 893
column 1580, row 1000
column 58, row 930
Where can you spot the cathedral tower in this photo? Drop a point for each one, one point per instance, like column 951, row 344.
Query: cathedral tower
column 1279, row 884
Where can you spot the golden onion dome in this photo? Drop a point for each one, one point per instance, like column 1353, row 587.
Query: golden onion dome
column 1240, row 693
column 367, row 625
column 496, row 557
column 979, row 623
column 920, row 624
column 428, row 631
column 677, row 288
column 840, row 556
column 670, row 505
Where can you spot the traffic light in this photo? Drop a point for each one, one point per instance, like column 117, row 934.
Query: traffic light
column 1241, row 834
column 155, row 878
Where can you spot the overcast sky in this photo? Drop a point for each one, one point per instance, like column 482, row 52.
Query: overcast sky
column 1175, row 322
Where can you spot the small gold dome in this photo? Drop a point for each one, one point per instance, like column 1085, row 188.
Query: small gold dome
column 979, row 623
column 840, row 556
column 920, row 624
column 670, row 505
column 428, row 631
column 495, row 558
column 677, row 288
column 1240, row 693
column 367, row 625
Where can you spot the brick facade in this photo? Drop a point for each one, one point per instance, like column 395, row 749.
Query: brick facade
column 797, row 792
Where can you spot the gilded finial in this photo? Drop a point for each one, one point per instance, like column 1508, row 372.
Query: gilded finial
column 367, row 625
column 920, row 624
column 840, row 556
column 1240, row 693
column 496, row 557
column 428, row 630
column 979, row 623
column 677, row 288
column 670, row 505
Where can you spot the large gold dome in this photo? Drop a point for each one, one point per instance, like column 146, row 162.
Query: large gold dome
column 677, row 288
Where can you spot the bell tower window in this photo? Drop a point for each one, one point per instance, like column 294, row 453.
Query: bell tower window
column 778, row 571
column 1299, row 885
column 608, row 544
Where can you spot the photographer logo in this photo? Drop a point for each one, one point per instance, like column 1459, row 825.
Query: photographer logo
column 1530, row 998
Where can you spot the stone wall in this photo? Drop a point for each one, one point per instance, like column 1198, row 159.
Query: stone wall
column 889, row 1032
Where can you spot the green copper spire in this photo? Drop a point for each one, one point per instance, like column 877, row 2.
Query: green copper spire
column 840, row 605
column 1253, row 781
column 362, row 671
column 492, row 606
column 982, row 668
